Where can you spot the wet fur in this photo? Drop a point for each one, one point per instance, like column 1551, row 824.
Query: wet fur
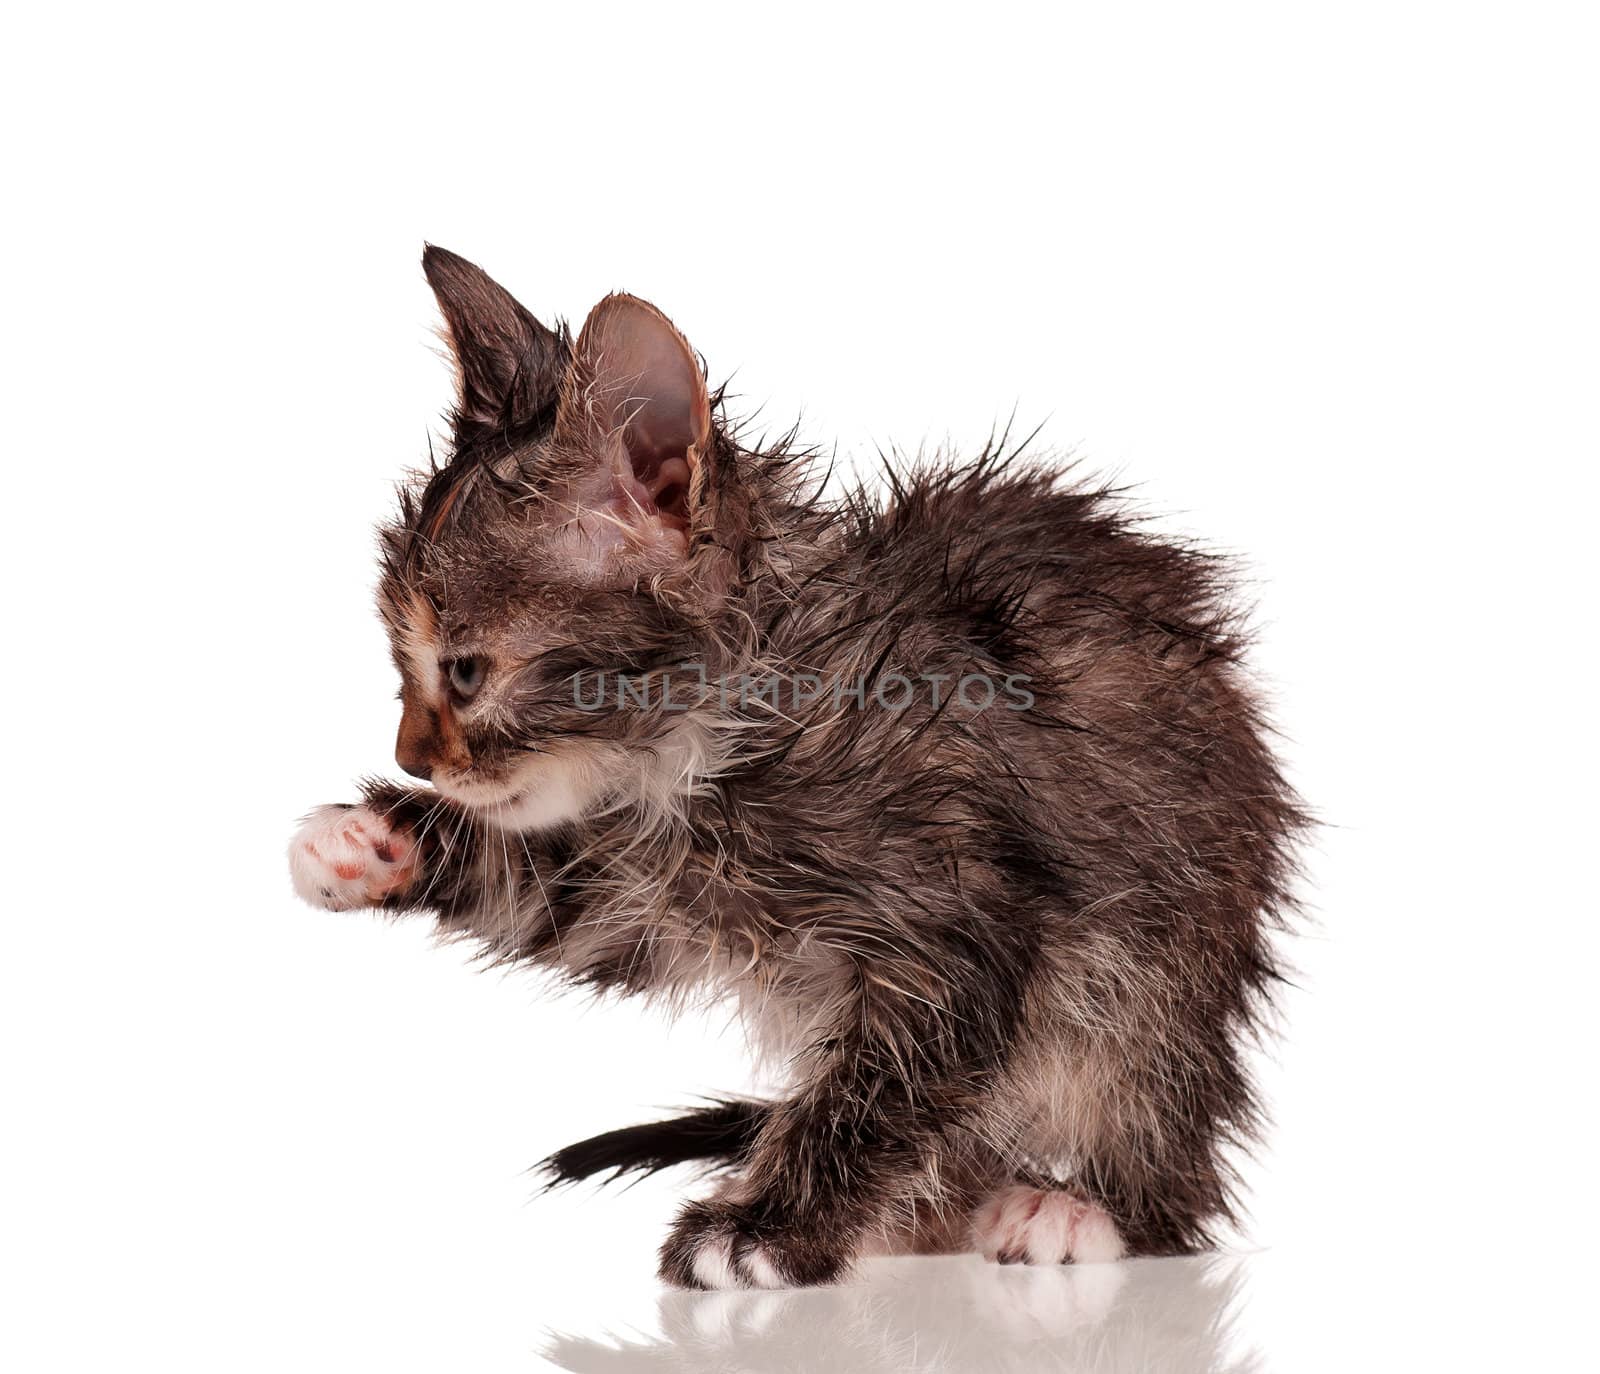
column 989, row 948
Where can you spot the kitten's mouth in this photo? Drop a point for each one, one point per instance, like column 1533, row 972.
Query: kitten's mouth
column 481, row 796
column 491, row 796
column 543, row 788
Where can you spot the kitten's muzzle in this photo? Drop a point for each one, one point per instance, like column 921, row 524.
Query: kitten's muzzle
column 428, row 738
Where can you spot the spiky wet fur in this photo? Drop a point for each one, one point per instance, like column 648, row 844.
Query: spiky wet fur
column 985, row 946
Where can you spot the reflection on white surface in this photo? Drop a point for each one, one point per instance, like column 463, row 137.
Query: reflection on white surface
column 948, row 1315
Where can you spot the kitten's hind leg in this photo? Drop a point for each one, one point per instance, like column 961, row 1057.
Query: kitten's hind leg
column 1035, row 1223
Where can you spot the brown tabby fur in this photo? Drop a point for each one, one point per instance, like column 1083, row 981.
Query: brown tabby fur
column 987, row 945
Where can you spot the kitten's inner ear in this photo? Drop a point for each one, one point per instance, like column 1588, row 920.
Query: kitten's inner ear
column 510, row 366
column 636, row 386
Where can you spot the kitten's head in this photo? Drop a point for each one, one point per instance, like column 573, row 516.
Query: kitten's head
column 575, row 532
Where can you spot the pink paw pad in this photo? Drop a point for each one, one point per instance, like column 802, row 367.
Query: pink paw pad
column 1023, row 1225
column 350, row 856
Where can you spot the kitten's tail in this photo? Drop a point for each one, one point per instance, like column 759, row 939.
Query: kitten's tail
column 722, row 1132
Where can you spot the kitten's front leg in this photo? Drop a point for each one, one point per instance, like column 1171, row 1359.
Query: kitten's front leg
column 399, row 848
column 820, row 1176
column 862, row 1135
column 348, row 856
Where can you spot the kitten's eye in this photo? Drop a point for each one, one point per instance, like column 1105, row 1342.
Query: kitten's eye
column 466, row 676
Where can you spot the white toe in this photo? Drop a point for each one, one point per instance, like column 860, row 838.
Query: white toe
column 713, row 1264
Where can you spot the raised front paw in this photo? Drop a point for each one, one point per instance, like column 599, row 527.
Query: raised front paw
column 350, row 856
column 721, row 1245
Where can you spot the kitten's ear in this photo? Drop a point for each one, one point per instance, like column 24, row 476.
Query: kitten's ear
column 636, row 400
column 509, row 365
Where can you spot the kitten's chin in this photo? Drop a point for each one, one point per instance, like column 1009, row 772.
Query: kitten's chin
column 544, row 790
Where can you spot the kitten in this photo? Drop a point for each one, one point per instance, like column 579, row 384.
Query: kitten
column 962, row 794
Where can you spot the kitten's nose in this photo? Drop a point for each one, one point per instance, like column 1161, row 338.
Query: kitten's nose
column 415, row 744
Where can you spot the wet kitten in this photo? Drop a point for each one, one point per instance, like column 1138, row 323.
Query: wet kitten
column 961, row 793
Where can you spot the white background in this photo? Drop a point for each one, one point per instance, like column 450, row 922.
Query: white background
column 1321, row 280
